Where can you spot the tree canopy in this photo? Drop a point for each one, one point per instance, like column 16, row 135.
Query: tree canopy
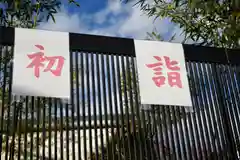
column 210, row 23
column 28, row 13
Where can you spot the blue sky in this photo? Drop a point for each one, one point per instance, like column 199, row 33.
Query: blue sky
column 110, row 18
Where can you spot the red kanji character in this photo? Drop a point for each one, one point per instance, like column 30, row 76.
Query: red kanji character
column 154, row 65
column 172, row 65
column 159, row 81
column 38, row 59
column 57, row 71
column 174, row 79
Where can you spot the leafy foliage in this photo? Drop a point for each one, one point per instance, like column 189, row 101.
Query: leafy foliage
column 154, row 35
column 27, row 14
column 211, row 23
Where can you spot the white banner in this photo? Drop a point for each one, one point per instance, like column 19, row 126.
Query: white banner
column 41, row 63
column 162, row 73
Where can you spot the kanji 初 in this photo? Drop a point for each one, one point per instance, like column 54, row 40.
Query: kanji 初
column 38, row 60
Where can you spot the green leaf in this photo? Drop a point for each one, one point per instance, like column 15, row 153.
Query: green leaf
column 74, row 2
column 53, row 18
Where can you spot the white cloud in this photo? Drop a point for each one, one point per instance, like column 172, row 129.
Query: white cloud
column 116, row 19
column 64, row 22
column 113, row 7
column 137, row 24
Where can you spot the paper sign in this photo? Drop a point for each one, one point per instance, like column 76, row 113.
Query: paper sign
column 162, row 73
column 41, row 63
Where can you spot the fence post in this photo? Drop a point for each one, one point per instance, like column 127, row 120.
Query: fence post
column 224, row 114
